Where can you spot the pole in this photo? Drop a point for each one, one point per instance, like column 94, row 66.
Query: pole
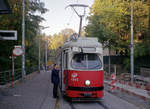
column 80, row 26
column 132, row 47
column 23, row 38
column 12, row 73
column 109, row 61
column 39, row 52
column 39, row 60
column 46, row 47
column 115, row 69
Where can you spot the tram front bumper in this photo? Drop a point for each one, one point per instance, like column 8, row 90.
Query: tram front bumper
column 91, row 94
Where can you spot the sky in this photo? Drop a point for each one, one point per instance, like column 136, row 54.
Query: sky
column 59, row 18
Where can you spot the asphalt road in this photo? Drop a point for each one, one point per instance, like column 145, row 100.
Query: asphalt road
column 36, row 93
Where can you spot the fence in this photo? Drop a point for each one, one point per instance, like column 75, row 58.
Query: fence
column 140, row 62
column 5, row 76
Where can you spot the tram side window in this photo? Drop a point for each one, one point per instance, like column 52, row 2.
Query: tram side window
column 86, row 61
column 65, row 60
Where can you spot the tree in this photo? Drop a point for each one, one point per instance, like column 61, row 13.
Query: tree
column 14, row 22
column 110, row 22
column 58, row 40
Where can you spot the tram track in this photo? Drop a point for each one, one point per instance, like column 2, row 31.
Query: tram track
column 71, row 105
column 102, row 105
column 99, row 103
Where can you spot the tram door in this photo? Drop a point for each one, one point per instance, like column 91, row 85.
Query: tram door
column 64, row 68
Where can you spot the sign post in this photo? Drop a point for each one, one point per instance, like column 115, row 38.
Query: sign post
column 17, row 51
column 12, row 74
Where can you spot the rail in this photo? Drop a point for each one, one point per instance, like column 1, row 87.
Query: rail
column 5, row 76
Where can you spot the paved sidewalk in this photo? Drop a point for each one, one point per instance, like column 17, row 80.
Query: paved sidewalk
column 35, row 93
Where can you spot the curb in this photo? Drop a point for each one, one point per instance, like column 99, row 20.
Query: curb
column 136, row 85
column 129, row 92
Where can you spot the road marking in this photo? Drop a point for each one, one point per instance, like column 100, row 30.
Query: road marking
column 16, row 95
column 57, row 103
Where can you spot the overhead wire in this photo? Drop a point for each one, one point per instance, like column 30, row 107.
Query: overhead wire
column 70, row 18
column 71, row 15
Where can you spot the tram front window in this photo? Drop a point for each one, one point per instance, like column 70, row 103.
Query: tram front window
column 86, row 61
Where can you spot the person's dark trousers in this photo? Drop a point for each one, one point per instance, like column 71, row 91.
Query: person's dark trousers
column 55, row 90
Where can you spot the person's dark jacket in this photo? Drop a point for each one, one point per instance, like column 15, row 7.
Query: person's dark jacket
column 55, row 76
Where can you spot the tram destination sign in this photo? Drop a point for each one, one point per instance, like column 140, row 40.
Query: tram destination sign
column 8, row 35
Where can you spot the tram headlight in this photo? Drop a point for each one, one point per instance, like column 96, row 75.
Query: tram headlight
column 87, row 82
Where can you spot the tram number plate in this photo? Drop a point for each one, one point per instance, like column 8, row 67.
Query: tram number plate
column 74, row 79
column 87, row 94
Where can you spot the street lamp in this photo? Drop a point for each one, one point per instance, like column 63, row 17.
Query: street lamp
column 46, row 49
column 39, row 51
column 39, row 59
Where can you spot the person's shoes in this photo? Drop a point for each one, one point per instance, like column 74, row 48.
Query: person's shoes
column 55, row 96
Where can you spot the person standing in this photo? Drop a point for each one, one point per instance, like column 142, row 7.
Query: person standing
column 55, row 80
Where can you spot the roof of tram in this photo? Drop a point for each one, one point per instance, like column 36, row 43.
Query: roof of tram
column 83, row 42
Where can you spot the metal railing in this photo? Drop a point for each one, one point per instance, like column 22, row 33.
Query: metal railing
column 5, row 76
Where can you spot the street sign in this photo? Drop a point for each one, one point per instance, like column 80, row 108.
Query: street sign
column 17, row 51
column 8, row 35
column 4, row 7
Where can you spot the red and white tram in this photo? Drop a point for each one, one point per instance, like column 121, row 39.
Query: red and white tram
column 81, row 61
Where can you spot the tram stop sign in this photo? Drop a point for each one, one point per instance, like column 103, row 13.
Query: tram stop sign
column 17, row 51
column 4, row 7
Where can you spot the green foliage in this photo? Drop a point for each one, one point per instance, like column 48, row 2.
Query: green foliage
column 142, row 48
column 110, row 22
column 96, row 29
column 14, row 22
column 58, row 40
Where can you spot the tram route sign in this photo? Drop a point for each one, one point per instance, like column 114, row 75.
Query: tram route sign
column 8, row 35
